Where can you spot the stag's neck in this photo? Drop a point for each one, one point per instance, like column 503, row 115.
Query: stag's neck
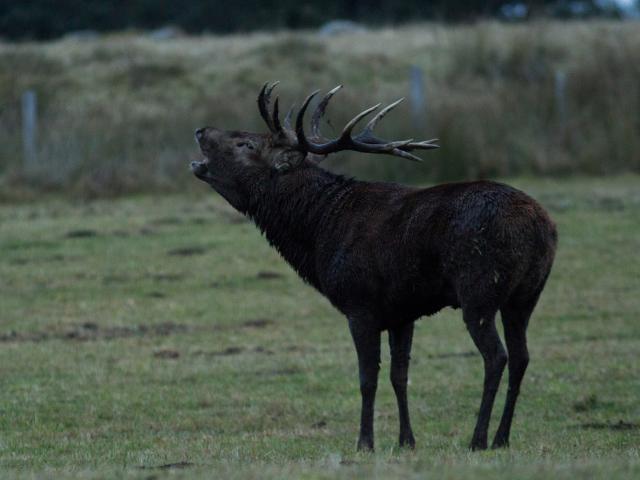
column 292, row 209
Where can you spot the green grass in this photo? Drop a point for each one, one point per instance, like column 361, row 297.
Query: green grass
column 119, row 351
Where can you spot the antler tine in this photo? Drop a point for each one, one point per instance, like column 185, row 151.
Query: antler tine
column 401, row 153
column 319, row 113
column 374, row 121
column 302, row 139
column 424, row 145
column 274, row 85
column 263, row 105
column 287, row 118
column 276, row 116
column 346, row 132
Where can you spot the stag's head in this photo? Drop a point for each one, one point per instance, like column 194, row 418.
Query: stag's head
column 234, row 158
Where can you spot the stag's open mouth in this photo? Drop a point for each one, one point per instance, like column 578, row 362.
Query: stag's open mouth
column 200, row 170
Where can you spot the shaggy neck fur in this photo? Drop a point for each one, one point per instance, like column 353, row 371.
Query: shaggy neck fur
column 292, row 209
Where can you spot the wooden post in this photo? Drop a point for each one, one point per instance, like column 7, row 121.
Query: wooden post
column 561, row 96
column 417, row 97
column 30, row 129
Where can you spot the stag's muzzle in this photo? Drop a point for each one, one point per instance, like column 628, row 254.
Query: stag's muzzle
column 199, row 169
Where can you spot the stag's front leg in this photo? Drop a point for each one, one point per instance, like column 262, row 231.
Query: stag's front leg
column 400, row 345
column 366, row 336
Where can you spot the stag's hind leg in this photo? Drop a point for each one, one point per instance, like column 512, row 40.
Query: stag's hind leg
column 482, row 328
column 400, row 345
column 515, row 319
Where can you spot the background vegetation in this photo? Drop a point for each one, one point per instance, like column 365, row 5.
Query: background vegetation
column 40, row 19
column 116, row 113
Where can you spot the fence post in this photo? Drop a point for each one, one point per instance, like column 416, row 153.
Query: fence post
column 417, row 97
column 561, row 96
column 30, row 129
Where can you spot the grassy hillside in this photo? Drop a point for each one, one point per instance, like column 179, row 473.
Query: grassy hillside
column 117, row 113
column 152, row 335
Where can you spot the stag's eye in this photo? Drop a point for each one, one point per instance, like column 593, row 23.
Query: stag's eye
column 245, row 145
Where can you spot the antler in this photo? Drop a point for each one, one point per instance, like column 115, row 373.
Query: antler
column 272, row 120
column 365, row 141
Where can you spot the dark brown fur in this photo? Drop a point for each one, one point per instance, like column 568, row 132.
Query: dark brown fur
column 386, row 254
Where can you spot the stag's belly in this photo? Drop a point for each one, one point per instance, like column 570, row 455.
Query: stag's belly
column 420, row 298
column 359, row 288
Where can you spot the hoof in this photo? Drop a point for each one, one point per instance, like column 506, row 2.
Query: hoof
column 365, row 445
column 478, row 445
column 407, row 441
column 500, row 443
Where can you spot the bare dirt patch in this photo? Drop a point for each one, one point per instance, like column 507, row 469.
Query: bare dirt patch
column 89, row 331
column 228, row 351
column 279, row 372
column 187, row 251
column 588, row 403
column 29, row 244
column 299, row 349
column 620, row 425
column 264, row 350
column 167, row 354
column 44, row 259
column 268, row 275
column 453, row 354
column 166, row 277
column 147, row 231
column 168, row 466
column 258, row 323
column 235, row 350
column 156, row 295
column 81, row 233
column 115, row 279
column 167, row 221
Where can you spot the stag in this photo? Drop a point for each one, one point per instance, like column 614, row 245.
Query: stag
column 386, row 254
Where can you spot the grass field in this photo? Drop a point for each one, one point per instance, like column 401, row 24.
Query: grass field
column 161, row 336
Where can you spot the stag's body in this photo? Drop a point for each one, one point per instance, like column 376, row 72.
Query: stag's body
column 386, row 254
column 399, row 253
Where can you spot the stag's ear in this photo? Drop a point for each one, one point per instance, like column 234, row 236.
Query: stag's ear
column 287, row 159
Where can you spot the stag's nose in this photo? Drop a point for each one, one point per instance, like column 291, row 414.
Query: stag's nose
column 200, row 133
